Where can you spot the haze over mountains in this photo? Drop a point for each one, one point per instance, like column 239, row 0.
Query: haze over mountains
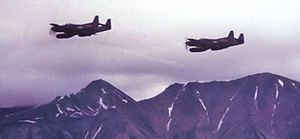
column 257, row 106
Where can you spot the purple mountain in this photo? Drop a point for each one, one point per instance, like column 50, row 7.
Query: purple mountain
column 257, row 106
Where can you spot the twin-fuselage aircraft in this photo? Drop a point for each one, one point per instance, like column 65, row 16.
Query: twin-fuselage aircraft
column 70, row 30
column 204, row 44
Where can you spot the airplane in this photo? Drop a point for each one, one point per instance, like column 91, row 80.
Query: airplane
column 70, row 30
column 204, row 44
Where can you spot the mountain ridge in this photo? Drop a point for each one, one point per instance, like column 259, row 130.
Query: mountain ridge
column 262, row 105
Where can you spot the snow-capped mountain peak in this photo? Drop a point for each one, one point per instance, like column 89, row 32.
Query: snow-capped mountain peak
column 263, row 105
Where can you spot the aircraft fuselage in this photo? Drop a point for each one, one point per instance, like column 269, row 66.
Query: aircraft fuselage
column 204, row 44
column 70, row 30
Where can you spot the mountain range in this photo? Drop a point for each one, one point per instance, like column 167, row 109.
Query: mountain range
column 260, row 106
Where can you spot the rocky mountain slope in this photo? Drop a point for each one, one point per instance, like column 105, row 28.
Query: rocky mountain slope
column 257, row 106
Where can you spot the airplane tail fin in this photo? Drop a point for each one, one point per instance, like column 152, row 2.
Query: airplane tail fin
column 241, row 38
column 108, row 23
column 96, row 20
column 230, row 35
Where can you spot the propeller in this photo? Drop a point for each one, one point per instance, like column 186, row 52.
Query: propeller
column 51, row 32
column 186, row 46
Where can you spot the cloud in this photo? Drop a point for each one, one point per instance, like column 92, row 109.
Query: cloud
column 144, row 52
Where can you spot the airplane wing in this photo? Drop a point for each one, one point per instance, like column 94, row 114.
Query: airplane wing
column 198, row 49
column 64, row 36
column 223, row 45
column 218, row 47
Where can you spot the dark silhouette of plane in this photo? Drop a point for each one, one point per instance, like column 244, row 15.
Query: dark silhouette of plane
column 213, row 44
column 70, row 30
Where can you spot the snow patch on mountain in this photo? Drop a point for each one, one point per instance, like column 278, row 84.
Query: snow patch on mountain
column 223, row 116
column 28, row 121
column 103, row 91
column 60, row 98
column 86, row 134
column 255, row 94
column 226, row 111
column 69, row 109
column 60, row 112
column 97, row 132
column 293, row 84
column 280, row 82
column 170, row 116
column 203, row 106
column 104, row 106
column 183, row 87
column 170, row 109
column 124, row 100
column 277, row 92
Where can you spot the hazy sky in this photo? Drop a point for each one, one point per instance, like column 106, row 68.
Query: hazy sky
column 144, row 52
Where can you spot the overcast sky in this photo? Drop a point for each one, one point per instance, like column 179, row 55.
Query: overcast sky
column 144, row 52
